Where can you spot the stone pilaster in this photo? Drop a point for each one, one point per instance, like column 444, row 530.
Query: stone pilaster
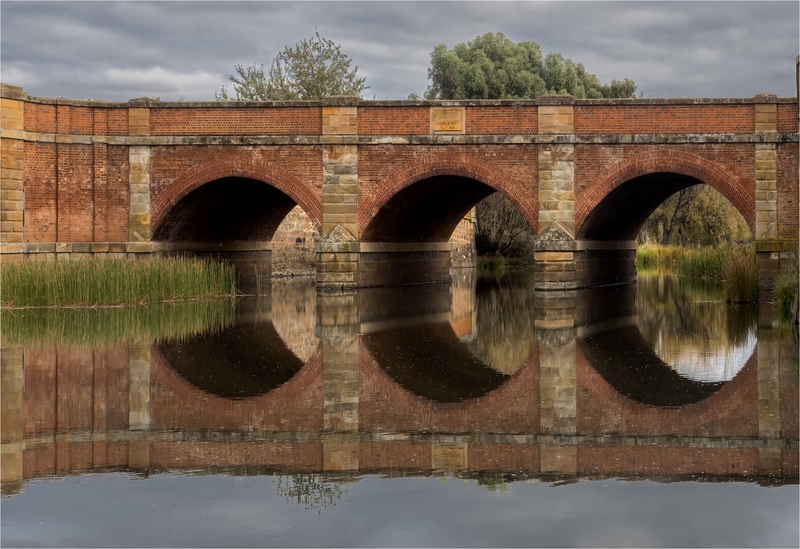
column 337, row 249
column 340, row 188
column 12, row 158
column 557, row 187
column 766, row 191
column 139, row 179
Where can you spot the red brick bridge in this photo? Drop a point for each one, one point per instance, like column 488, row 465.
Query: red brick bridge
column 387, row 182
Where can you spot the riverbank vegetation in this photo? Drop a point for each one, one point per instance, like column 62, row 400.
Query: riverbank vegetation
column 732, row 266
column 105, row 327
column 113, row 282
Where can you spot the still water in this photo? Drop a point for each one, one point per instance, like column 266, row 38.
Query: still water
column 477, row 413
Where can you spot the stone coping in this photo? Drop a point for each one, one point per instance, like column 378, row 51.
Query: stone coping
column 591, row 440
column 390, row 247
column 15, row 92
column 400, row 139
column 131, row 247
column 583, row 245
column 776, row 245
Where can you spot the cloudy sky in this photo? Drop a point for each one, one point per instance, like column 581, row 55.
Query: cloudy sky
column 173, row 50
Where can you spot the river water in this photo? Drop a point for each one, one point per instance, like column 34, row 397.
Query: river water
column 477, row 413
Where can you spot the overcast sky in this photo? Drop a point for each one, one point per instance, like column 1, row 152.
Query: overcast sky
column 172, row 50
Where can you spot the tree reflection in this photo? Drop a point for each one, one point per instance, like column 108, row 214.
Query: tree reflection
column 505, row 331
column 312, row 491
column 692, row 328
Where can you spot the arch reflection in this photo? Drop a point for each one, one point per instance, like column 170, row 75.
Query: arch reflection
column 488, row 338
column 241, row 361
column 431, row 362
column 684, row 344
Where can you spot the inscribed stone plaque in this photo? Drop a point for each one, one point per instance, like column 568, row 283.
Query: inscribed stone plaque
column 447, row 119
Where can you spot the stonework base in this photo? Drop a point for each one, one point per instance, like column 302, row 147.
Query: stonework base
column 396, row 268
column 573, row 265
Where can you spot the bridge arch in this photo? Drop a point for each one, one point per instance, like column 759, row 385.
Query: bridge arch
column 627, row 193
column 398, row 188
column 248, row 169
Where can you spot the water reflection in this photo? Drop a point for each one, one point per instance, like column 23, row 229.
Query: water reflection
column 692, row 329
column 238, row 362
column 481, row 379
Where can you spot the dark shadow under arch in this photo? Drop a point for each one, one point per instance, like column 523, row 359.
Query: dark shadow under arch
column 238, row 362
column 431, row 362
column 426, row 211
column 622, row 212
column 231, row 208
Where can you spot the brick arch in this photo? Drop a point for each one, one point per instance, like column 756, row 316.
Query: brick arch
column 671, row 161
column 265, row 172
column 449, row 164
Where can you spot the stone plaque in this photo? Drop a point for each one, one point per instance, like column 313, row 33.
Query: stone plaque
column 447, row 119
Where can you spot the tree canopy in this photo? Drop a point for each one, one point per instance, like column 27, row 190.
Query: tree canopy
column 493, row 67
column 314, row 68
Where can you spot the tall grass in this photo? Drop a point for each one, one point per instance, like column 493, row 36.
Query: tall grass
column 491, row 264
column 787, row 292
column 113, row 326
column 740, row 277
column 733, row 267
column 108, row 282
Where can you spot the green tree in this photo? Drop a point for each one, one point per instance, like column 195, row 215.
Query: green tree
column 493, row 67
column 695, row 216
column 314, row 68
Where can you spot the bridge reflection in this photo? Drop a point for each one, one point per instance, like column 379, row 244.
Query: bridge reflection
column 478, row 377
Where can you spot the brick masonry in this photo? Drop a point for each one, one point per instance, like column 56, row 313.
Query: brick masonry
column 107, row 174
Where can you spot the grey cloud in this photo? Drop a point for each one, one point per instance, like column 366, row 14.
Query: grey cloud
column 180, row 49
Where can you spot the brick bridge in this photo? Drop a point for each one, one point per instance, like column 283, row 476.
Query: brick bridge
column 385, row 183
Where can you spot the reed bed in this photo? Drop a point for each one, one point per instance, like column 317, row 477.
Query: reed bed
column 113, row 282
column 787, row 290
column 733, row 267
column 73, row 327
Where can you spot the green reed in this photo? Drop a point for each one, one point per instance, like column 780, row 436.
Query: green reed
column 108, row 282
column 72, row 327
column 733, row 267
column 786, row 289
column 495, row 265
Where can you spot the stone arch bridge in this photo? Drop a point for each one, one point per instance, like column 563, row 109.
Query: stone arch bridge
column 387, row 182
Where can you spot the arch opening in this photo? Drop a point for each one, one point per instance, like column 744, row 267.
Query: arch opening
column 426, row 211
column 621, row 214
column 226, row 209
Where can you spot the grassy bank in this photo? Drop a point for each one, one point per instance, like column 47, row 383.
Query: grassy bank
column 110, row 282
column 733, row 267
